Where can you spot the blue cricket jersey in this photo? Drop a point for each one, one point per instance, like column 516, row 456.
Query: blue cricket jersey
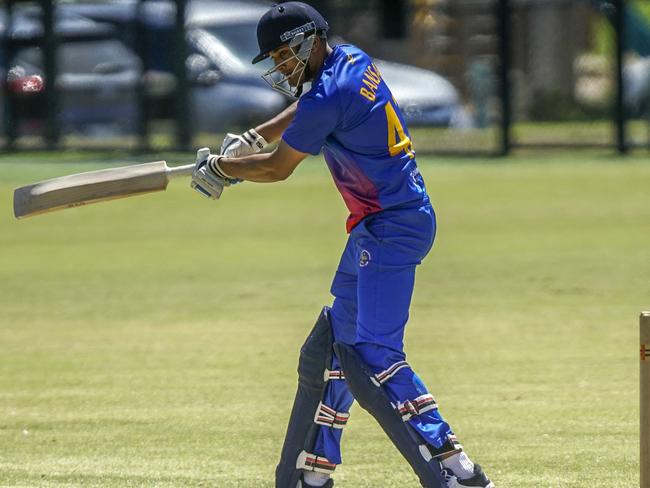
column 350, row 114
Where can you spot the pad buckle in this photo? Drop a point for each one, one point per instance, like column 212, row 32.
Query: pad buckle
column 333, row 375
column 312, row 462
column 329, row 417
column 411, row 408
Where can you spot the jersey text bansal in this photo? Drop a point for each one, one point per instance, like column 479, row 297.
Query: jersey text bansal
column 371, row 79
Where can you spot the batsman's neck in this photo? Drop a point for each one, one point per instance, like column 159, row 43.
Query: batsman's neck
column 321, row 51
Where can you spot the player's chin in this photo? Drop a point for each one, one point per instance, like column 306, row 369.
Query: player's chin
column 294, row 80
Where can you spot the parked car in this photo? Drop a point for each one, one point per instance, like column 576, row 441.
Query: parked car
column 99, row 77
column 97, row 74
column 96, row 83
column 226, row 90
column 222, row 43
column 424, row 97
column 222, row 40
column 636, row 83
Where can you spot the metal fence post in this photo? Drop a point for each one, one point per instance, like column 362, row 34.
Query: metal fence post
column 619, row 116
column 143, row 52
column 183, row 131
column 504, row 21
column 49, row 47
column 9, row 118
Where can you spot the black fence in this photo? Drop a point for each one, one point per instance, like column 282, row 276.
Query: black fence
column 472, row 76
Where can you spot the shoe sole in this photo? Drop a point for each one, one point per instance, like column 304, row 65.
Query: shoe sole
column 489, row 485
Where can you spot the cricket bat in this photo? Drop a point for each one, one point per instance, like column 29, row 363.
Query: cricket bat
column 94, row 186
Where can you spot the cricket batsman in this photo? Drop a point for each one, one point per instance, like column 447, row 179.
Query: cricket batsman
column 355, row 350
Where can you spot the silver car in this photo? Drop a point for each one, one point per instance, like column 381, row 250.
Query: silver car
column 227, row 90
column 225, row 33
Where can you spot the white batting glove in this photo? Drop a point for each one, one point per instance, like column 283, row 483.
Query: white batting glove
column 204, row 179
column 237, row 146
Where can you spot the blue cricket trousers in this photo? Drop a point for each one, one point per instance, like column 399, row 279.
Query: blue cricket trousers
column 372, row 291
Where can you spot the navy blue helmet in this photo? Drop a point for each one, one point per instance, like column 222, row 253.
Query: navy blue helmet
column 282, row 22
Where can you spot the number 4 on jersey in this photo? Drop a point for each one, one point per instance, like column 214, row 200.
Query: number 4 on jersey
column 395, row 129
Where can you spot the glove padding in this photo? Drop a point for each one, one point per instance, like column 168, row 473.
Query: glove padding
column 204, row 179
column 237, row 146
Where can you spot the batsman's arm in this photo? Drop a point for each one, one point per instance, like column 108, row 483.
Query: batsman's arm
column 264, row 167
column 272, row 129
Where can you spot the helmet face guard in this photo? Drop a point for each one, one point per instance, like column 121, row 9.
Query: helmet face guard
column 301, row 47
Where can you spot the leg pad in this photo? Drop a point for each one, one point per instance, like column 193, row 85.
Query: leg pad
column 315, row 359
column 369, row 394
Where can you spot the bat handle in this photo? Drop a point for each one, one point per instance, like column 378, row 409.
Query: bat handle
column 177, row 171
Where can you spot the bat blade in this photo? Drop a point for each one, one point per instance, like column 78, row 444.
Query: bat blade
column 90, row 187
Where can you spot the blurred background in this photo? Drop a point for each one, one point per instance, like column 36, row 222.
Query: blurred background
column 471, row 76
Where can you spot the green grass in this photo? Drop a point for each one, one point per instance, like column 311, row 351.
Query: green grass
column 153, row 341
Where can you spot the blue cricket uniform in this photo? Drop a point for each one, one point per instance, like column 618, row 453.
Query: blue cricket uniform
column 350, row 114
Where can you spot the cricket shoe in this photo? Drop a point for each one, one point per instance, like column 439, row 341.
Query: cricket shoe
column 478, row 480
column 303, row 484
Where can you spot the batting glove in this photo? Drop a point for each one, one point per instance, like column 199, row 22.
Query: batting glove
column 237, row 146
column 204, row 179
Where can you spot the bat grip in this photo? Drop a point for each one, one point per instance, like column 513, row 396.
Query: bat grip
column 177, row 171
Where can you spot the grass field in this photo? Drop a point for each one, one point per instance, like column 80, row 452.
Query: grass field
column 153, row 341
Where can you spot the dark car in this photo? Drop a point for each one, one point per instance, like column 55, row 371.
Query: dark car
column 226, row 90
column 96, row 83
column 97, row 79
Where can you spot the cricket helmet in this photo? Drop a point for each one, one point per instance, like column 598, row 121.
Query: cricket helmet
column 296, row 25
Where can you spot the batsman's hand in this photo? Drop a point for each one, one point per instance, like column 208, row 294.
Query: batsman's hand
column 237, row 146
column 204, row 179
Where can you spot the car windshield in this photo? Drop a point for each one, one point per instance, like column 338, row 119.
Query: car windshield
column 241, row 41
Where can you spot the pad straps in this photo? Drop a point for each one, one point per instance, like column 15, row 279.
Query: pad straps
column 312, row 462
column 381, row 378
column 333, row 375
column 369, row 393
column 329, row 417
column 411, row 408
